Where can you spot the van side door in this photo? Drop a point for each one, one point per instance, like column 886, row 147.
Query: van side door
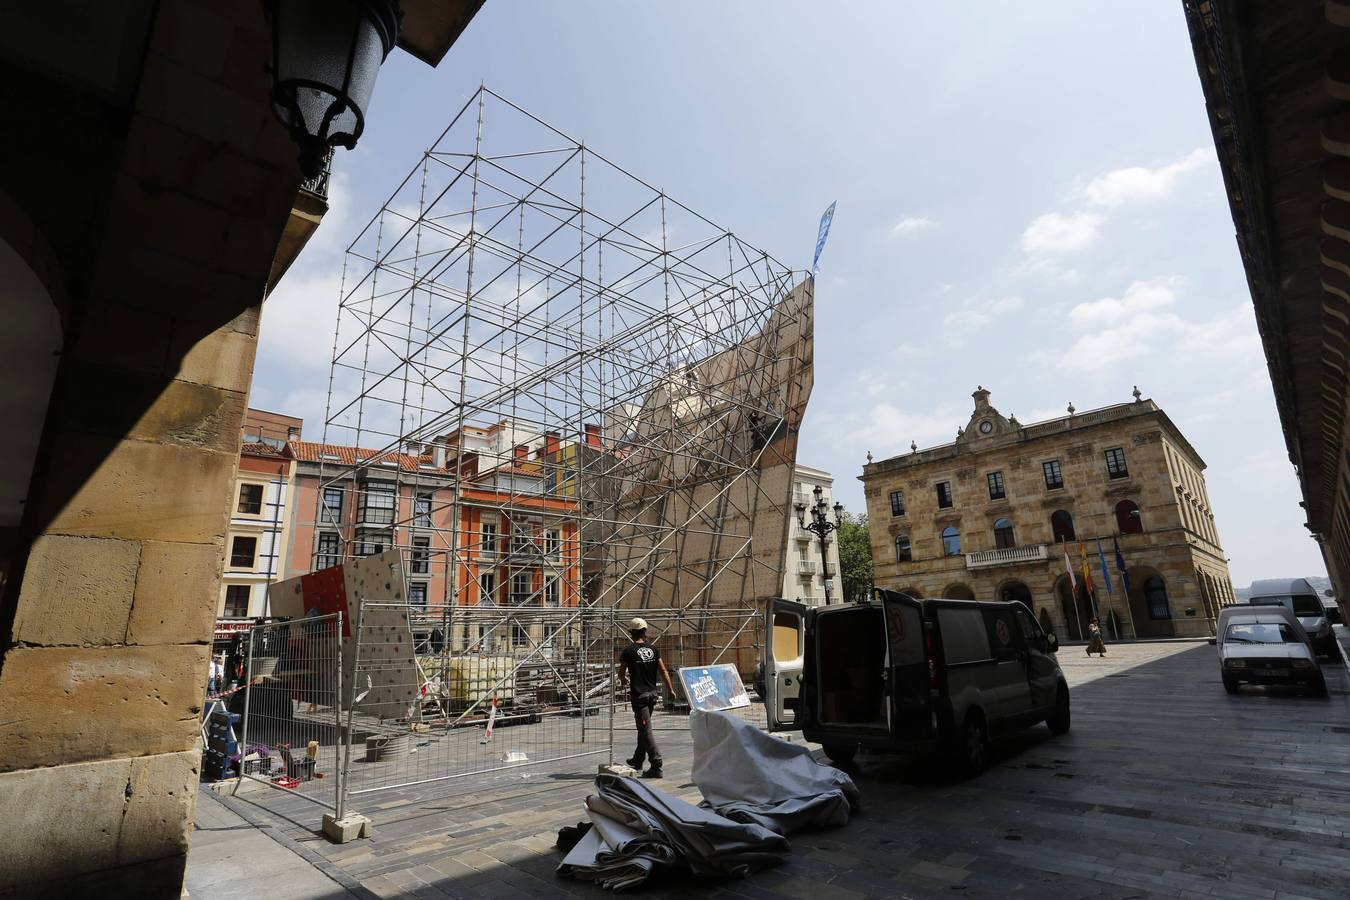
column 784, row 654
column 1006, row 645
column 1042, row 670
column 907, row 675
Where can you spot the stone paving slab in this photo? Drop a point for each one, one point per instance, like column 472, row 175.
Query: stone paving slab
column 1166, row 786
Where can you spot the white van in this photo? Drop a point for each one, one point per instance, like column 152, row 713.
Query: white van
column 902, row 674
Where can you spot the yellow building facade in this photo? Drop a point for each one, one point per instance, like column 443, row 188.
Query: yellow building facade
column 1005, row 509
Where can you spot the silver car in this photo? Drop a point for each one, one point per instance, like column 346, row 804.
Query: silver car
column 1301, row 597
column 1266, row 646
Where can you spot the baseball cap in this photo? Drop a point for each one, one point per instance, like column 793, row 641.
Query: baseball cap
column 637, row 624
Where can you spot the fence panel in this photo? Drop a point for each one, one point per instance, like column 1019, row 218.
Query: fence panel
column 292, row 736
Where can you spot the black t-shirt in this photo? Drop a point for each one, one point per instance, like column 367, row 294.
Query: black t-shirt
column 643, row 664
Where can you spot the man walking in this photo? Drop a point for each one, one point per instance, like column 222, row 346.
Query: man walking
column 639, row 665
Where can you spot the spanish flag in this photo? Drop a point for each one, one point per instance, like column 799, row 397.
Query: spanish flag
column 1087, row 570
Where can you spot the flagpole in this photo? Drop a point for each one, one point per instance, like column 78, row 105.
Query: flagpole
column 1073, row 589
column 1124, row 586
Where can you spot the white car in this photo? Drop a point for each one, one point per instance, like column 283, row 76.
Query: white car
column 1266, row 645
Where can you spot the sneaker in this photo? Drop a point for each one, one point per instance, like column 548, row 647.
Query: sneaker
column 634, row 763
column 653, row 772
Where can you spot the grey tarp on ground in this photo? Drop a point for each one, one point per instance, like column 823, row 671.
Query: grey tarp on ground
column 751, row 776
column 637, row 827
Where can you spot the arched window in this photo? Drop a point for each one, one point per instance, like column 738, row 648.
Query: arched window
column 1061, row 526
column 1155, row 597
column 902, row 551
column 951, row 541
column 1003, row 534
column 1128, row 519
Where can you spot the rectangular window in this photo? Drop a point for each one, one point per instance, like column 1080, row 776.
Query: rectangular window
column 1054, row 478
column 944, row 494
column 897, row 503
column 520, row 637
column 487, row 588
column 378, row 504
column 329, row 553
column 421, row 556
column 995, row 480
column 236, row 600
column 1115, row 463
column 422, row 511
column 250, row 499
column 520, row 538
column 243, row 552
column 332, row 505
column 521, row 583
column 551, row 544
column 417, row 594
column 551, row 592
column 488, row 541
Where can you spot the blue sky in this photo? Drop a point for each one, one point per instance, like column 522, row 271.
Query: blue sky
column 1027, row 199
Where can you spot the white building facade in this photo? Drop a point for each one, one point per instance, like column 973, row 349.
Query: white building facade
column 804, row 576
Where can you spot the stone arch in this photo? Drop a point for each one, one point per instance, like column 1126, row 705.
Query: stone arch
column 1144, row 589
column 1015, row 589
column 958, row 591
column 913, row 592
column 30, row 348
column 1129, row 518
column 1061, row 526
column 1074, row 608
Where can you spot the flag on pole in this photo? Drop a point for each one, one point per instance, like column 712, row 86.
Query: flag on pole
column 1087, row 569
column 821, row 235
column 1101, row 558
column 1068, row 568
column 1120, row 565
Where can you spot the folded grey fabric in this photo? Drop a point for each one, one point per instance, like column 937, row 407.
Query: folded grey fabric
column 751, row 776
column 638, row 828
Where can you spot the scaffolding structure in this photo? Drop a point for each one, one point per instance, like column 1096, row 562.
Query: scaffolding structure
column 562, row 395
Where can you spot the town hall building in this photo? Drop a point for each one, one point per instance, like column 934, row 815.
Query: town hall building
column 995, row 513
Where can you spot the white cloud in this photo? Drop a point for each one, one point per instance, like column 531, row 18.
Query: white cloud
column 886, row 429
column 1138, row 297
column 911, row 225
column 297, row 322
column 1134, row 183
column 973, row 315
column 1053, row 234
column 1141, row 323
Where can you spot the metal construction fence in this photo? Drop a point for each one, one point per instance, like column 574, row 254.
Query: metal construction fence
column 293, row 724
column 485, row 688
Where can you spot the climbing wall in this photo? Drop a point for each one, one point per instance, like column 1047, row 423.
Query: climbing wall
column 379, row 673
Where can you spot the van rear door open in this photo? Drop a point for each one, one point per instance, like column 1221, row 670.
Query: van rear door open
column 907, row 675
column 784, row 646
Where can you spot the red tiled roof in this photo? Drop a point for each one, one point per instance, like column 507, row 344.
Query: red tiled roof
column 311, row 451
column 261, row 449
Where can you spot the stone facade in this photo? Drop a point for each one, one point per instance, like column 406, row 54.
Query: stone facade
column 1018, row 497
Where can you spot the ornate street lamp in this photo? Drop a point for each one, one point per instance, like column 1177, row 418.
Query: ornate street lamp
column 325, row 56
column 821, row 526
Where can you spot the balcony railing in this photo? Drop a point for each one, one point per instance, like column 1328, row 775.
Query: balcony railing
column 1007, row 557
column 806, row 568
column 319, row 183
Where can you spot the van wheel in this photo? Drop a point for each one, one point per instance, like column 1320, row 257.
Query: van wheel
column 1230, row 684
column 1059, row 719
column 840, row 753
column 972, row 754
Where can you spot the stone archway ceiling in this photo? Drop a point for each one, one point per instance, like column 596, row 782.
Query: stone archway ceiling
column 1335, row 257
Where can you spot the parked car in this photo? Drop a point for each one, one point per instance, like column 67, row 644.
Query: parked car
column 900, row 674
column 1266, row 645
column 1300, row 596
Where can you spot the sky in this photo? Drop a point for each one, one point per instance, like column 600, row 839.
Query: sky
column 1028, row 200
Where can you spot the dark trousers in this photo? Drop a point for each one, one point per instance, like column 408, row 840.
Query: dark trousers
column 643, row 705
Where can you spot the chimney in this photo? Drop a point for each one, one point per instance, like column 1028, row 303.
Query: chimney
column 293, row 433
column 592, row 435
column 522, row 451
column 552, row 442
column 438, row 454
column 414, row 448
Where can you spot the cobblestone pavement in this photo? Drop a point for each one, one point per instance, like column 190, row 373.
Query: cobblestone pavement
column 1166, row 786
